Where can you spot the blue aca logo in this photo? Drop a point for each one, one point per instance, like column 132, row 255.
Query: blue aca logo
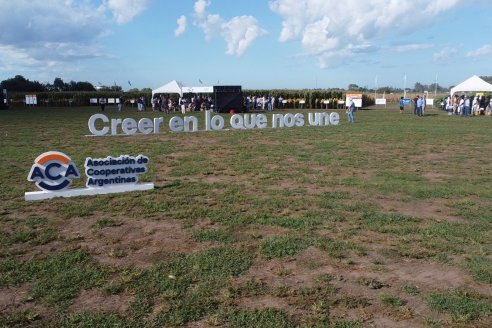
column 53, row 171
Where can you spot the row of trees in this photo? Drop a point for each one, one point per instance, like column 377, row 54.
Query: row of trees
column 418, row 87
column 20, row 84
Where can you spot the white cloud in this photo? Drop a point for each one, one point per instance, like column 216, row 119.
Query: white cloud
column 445, row 55
column 482, row 51
column 326, row 28
column 25, row 22
column 26, row 61
column 211, row 25
column 200, row 7
column 181, row 26
column 317, row 39
column 12, row 57
column 52, row 34
column 239, row 32
column 412, row 47
column 125, row 10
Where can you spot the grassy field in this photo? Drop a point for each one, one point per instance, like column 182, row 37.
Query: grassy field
column 383, row 223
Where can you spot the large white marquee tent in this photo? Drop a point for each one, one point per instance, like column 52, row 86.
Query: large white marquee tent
column 176, row 87
column 473, row 84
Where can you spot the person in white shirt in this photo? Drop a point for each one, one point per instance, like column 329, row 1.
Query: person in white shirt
column 350, row 111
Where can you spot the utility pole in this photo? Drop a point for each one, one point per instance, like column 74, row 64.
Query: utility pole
column 375, row 87
column 405, row 86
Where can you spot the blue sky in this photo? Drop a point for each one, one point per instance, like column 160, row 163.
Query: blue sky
column 258, row 44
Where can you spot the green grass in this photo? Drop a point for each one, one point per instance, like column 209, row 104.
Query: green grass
column 19, row 319
column 56, row 279
column 89, row 320
column 105, row 223
column 212, row 235
column 391, row 300
column 480, row 267
column 187, row 284
column 264, row 318
column 460, row 305
column 294, row 218
column 287, row 245
column 250, row 288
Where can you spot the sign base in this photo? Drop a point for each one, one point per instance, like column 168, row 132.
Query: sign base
column 40, row 195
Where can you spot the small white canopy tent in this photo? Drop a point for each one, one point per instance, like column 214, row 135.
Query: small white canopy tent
column 171, row 87
column 473, row 84
column 176, row 87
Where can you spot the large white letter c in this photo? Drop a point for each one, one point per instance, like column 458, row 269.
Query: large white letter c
column 92, row 124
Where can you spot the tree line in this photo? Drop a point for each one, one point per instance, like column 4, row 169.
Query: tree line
column 418, row 87
column 19, row 83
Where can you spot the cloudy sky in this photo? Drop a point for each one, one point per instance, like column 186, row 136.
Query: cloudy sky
column 253, row 43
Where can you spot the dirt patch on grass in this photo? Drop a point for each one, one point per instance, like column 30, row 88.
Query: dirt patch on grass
column 12, row 297
column 433, row 276
column 436, row 177
column 266, row 301
column 432, row 209
column 428, row 157
column 95, row 300
column 136, row 242
column 260, row 232
column 359, row 286
column 18, row 299
column 295, row 271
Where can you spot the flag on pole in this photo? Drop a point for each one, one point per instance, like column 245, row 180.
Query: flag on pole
column 129, row 83
column 200, row 81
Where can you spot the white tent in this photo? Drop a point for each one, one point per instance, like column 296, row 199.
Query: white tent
column 473, row 84
column 176, row 87
column 171, row 87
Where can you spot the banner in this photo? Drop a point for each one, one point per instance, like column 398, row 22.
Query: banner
column 31, row 100
column 356, row 97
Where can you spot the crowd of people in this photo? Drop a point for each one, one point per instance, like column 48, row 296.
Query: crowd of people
column 166, row 104
column 263, row 103
column 419, row 104
column 465, row 106
column 462, row 105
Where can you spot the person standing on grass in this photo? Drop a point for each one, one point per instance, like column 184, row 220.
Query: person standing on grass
column 415, row 106
column 120, row 104
column 419, row 106
column 102, row 103
column 481, row 105
column 449, row 106
column 461, row 105
column 474, row 107
column 402, row 105
column 350, row 111
column 424, row 102
column 467, row 108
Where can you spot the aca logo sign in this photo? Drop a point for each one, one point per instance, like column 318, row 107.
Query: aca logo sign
column 53, row 171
